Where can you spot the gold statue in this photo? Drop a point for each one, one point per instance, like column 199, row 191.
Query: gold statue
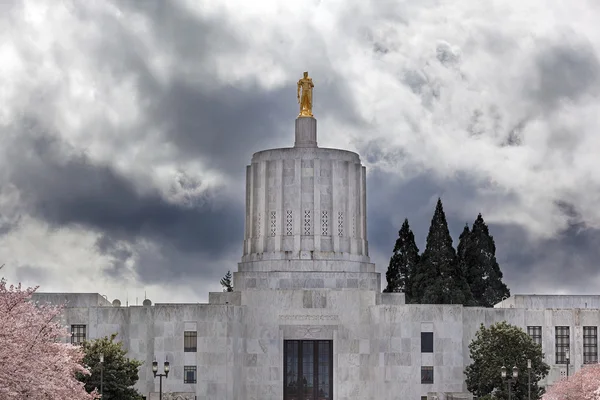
column 305, row 100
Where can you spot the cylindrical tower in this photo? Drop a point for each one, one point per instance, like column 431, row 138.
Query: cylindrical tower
column 306, row 208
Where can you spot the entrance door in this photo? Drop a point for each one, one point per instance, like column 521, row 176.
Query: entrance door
column 307, row 369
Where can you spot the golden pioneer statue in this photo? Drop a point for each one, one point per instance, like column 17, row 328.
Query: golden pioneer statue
column 305, row 101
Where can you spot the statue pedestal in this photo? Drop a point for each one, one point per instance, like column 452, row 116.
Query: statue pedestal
column 306, row 132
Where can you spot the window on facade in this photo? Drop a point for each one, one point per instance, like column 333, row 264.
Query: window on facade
column 190, row 341
column 535, row 333
column 426, row 374
column 78, row 334
column 189, row 374
column 426, row 342
column 590, row 344
column 562, row 341
column 308, row 369
column 423, row 397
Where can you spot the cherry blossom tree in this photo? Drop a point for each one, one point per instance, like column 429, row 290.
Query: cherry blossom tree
column 35, row 361
column 582, row 385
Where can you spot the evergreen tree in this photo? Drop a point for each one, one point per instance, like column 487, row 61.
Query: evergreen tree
column 120, row 372
column 477, row 254
column 403, row 264
column 463, row 260
column 439, row 279
column 226, row 282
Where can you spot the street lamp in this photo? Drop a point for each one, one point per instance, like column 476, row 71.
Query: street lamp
column 102, row 375
column 166, row 374
column 510, row 381
column 568, row 358
column 528, row 379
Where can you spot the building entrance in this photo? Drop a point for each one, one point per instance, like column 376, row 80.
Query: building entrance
column 308, row 370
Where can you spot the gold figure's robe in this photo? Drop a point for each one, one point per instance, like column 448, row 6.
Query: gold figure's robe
column 305, row 99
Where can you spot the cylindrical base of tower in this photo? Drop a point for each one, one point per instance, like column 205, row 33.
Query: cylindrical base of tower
column 306, row 132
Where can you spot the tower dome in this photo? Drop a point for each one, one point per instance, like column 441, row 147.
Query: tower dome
column 306, row 205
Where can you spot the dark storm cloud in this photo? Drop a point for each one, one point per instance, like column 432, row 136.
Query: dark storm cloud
column 118, row 253
column 67, row 190
column 218, row 122
column 227, row 126
column 8, row 223
column 549, row 265
column 566, row 71
column 528, row 265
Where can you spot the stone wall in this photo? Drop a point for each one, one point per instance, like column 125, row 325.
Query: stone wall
column 376, row 340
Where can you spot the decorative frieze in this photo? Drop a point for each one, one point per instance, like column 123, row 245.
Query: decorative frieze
column 309, row 317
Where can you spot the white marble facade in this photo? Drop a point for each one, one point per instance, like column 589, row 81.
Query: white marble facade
column 305, row 274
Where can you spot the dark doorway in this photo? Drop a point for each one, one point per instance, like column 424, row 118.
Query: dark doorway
column 308, row 370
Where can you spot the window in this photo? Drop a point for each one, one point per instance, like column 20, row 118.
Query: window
column 562, row 343
column 273, row 223
column 78, row 334
column 307, row 369
column 426, row 342
column 307, row 229
column 288, row 223
column 190, row 341
column 426, row 374
column 590, row 344
column 189, row 373
column 535, row 332
column 324, row 223
column 423, row 397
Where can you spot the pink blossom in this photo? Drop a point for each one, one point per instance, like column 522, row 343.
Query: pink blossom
column 35, row 361
column 583, row 385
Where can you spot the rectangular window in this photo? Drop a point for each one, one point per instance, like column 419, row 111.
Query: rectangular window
column 562, row 341
column 307, row 220
column 535, row 333
column 308, row 369
column 426, row 374
column 423, row 397
column 426, row 342
column 190, row 341
column 78, row 334
column 590, row 344
column 189, row 374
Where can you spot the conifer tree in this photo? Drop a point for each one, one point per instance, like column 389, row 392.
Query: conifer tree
column 226, row 282
column 403, row 264
column 478, row 261
column 462, row 255
column 439, row 279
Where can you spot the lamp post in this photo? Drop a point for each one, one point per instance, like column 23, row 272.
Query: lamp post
column 101, row 375
column 568, row 358
column 528, row 379
column 510, row 381
column 166, row 374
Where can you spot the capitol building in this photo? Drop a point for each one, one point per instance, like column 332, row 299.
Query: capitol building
column 307, row 318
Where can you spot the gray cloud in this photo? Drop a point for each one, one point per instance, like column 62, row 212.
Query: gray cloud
column 140, row 124
column 31, row 272
column 566, row 71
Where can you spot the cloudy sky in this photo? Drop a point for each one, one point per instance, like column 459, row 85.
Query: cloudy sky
column 126, row 126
